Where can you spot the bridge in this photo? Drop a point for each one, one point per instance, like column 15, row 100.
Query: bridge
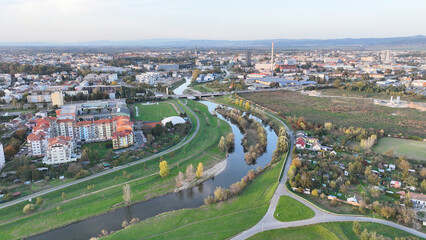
column 217, row 94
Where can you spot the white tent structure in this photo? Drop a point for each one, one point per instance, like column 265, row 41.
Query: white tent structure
column 175, row 120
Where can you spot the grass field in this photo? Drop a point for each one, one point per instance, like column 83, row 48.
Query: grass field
column 345, row 93
column 410, row 148
column 344, row 112
column 289, row 210
column 329, row 231
column 216, row 221
column 101, row 147
column 155, row 111
column 80, row 203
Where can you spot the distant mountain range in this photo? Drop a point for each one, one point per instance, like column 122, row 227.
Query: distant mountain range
column 413, row 42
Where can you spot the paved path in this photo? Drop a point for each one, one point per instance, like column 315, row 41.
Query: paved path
column 268, row 222
column 185, row 141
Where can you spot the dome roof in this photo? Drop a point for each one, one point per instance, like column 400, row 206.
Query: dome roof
column 174, row 120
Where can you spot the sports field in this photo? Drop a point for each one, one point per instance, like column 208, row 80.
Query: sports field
column 410, row 148
column 154, row 111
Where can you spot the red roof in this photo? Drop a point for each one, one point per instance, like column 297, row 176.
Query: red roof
column 300, row 141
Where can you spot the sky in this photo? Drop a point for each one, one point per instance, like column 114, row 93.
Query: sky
column 90, row 20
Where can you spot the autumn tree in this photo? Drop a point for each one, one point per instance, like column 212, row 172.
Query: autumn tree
column 179, row 179
column 247, row 106
column 222, row 144
column 164, row 169
column 28, row 208
column 356, row 227
column 200, row 169
column 190, row 172
column 387, row 212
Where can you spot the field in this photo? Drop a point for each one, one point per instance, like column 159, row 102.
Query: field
column 345, row 93
column 154, row 112
column 410, row 148
column 101, row 147
column 329, row 231
column 343, row 112
column 80, row 202
column 289, row 210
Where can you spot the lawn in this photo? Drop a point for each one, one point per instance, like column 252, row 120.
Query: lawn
column 80, row 203
column 343, row 112
column 217, row 221
column 289, row 209
column 101, row 147
column 329, row 231
column 154, row 112
column 410, row 148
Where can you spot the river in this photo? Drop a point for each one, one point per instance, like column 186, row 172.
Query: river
column 179, row 90
column 236, row 168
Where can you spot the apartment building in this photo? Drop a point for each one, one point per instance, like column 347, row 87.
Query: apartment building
column 60, row 150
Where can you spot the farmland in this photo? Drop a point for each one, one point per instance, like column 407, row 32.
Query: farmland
column 154, row 111
column 409, row 148
column 343, row 112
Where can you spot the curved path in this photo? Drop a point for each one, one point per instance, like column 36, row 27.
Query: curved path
column 268, row 222
column 185, row 141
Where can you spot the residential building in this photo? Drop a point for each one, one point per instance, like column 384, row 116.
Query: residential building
column 2, row 159
column 57, row 99
column 122, row 139
column 59, row 150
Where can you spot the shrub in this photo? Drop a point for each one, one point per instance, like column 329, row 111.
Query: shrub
column 28, row 208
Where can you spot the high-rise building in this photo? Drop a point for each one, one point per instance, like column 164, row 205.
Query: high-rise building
column 248, row 60
column 57, row 99
column 2, row 159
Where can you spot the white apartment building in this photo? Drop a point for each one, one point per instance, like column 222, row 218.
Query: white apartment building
column 150, row 78
column 59, row 150
column 2, row 159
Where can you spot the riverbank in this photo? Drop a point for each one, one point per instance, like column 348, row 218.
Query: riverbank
column 217, row 221
column 14, row 224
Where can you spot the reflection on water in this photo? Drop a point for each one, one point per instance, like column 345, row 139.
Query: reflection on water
column 236, row 168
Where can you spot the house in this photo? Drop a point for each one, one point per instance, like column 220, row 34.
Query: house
column 391, row 167
column 300, row 143
column 352, row 199
column 395, row 184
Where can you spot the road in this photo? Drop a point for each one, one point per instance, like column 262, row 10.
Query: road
column 185, row 141
column 268, row 222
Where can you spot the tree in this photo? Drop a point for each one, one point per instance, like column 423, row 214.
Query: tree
column 63, row 195
column 365, row 235
column 200, row 169
column 222, row 144
column 219, row 194
column 39, row 200
column 28, row 208
column 406, row 214
column 9, row 151
column 164, row 169
column 328, row 126
column 423, row 184
column 127, row 194
column 15, row 102
column 315, row 193
column 230, row 140
column 387, row 212
column 195, row 74
column 356, row 227
column 237, row 102
column 179, row 179
column 189, row 172
column 247, row 106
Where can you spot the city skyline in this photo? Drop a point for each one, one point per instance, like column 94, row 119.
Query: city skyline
column 78, row 21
